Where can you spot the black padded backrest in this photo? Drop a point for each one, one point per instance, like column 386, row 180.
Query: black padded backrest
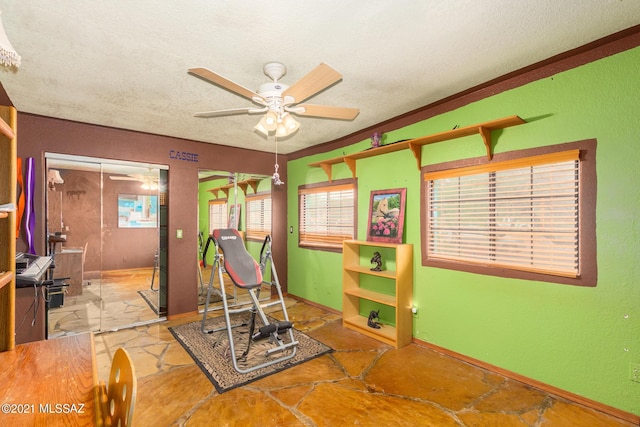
column 243, row 270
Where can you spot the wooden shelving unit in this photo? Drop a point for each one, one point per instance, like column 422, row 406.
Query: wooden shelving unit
column 400, row 280
column 5, row 278
column 8, row 174
column 415, row 145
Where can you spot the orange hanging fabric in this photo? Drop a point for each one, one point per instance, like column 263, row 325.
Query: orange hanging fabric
column 20, row 197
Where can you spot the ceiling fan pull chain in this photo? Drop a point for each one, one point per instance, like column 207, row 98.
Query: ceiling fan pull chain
column 276, row 175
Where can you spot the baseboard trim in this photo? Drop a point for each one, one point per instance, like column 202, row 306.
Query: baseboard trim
column 589, row 403
column 314, row 304
column 601, row 407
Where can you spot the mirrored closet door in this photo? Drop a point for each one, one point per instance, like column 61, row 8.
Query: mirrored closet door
column 104, row 232
column 230, row 200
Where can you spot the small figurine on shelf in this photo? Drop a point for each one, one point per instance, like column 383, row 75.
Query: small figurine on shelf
column 376, row 140
column 373, row 319
column 377, row 260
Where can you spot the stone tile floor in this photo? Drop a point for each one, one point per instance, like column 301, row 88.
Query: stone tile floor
column 108, row 303
column 364, row 383
column 113, row 302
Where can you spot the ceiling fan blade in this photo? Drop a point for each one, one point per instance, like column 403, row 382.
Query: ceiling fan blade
column 223, row 82
column 230, row 112
column 318, row 79
column 329, row 112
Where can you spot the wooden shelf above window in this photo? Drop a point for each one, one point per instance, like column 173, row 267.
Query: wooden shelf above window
column 415, row 145
column 253, row 183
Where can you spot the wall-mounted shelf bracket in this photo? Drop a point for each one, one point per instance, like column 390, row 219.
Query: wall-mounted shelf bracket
column 351, row 163
column 243, row 185
column 327, row 164
column 416, row 149
column 485, row 133
column 253, row 183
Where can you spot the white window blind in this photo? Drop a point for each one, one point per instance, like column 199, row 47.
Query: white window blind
column 327, row 215
column 258, row 216
column 217, row 215
column 520, row 214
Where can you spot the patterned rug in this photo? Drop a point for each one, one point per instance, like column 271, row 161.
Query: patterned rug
column 211, row 352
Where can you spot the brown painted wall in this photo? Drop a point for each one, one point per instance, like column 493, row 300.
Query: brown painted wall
column 75, row 208
column 37, row 135
column 125, row 247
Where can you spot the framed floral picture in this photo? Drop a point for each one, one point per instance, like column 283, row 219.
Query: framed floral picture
column 386, row 215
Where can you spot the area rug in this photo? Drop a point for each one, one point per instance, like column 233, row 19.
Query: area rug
column 211, row 352
column 151, row 297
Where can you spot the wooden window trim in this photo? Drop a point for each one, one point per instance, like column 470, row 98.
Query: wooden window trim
column 587, row 234
column 323, row 243
column 214, row 202
column 255, row 236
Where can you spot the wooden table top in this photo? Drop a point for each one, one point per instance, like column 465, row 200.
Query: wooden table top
column 47, row 383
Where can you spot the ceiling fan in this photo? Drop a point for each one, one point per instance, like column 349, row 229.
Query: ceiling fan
column 279, row 101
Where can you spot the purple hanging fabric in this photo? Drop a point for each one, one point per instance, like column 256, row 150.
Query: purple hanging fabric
column 29, row 213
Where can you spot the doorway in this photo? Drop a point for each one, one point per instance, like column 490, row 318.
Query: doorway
column 104, row 223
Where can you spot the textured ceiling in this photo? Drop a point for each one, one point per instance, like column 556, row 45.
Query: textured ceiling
column 123, row 63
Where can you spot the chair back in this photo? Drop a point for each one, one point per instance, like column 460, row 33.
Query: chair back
column 120, row 394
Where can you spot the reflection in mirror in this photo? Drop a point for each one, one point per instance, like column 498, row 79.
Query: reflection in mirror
column 106, row 213
column 230, row 200
column 137, row 211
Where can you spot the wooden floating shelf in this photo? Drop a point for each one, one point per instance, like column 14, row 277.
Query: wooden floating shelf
column 253, row 183
column 415, row 145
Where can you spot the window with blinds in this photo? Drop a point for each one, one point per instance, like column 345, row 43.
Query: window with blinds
column 520, row 214
column 258, row 219
column 217, row 215
column 326, row 215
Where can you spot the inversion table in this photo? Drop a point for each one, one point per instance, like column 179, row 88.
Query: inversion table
column 246, row 274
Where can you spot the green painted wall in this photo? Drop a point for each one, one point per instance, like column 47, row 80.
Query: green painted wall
column 578, row 339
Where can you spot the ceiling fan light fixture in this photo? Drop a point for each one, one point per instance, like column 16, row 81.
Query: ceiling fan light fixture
column 261, row 129
column 270, row 121
column 287, row 126
column 149, row 186
column 289, row 122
